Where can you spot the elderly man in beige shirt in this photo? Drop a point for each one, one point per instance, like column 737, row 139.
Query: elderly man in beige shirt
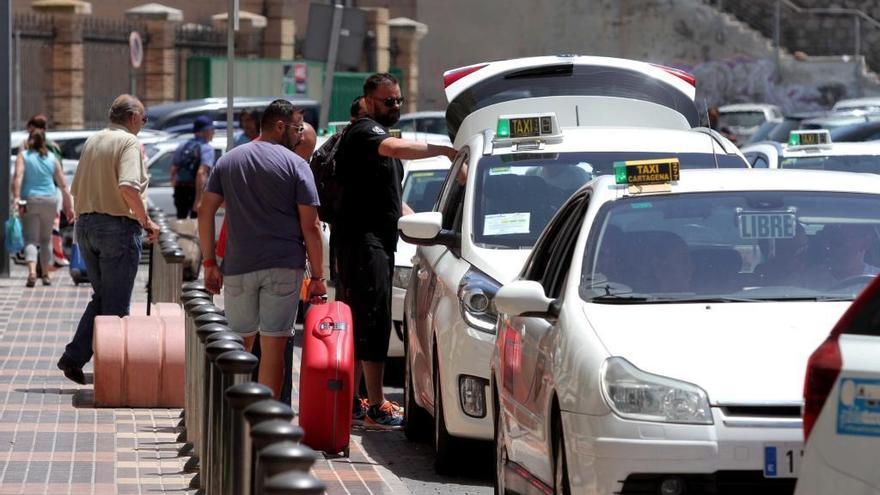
column 109, row 191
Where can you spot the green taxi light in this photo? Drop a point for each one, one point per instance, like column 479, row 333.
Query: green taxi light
column 503, row 129
column 620, row 172
column 794, row 139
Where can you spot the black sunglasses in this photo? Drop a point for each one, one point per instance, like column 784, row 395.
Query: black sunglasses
column 391, row 101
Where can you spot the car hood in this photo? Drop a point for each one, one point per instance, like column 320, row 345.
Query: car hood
column 739, row 353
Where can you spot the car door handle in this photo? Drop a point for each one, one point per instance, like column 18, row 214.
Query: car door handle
column 422, row 274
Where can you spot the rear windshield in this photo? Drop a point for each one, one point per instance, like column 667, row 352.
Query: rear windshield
column 518, row 194
column 421, row 188
column 565, row 79
column 733, row 246
column 432, row 125
column 842, row 163
column 742, row 119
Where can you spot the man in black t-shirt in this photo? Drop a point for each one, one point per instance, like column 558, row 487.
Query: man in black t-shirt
column 371, row 173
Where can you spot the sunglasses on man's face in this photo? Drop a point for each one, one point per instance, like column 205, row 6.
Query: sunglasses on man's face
column 298, row 128
column 391, row 101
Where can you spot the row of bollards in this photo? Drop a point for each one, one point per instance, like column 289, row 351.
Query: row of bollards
column 240, row 440
column 166, row 268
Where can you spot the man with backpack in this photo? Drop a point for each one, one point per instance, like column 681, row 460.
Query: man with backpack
column 191, row 164
column 368, row 173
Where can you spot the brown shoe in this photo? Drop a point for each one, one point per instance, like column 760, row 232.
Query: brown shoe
column 31, row 281
column 47, row 280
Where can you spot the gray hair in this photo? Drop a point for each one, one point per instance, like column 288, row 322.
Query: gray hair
column 123, row 106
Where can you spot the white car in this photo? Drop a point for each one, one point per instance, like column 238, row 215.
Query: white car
column 431, row 122
column 862, row 104
column 842, row 404
column 813, row 150
column 744, row 119
column 518, row 160
column 160, row 193
column 656, row 339
column 422, row 180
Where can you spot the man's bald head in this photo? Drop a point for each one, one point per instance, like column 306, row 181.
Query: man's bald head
column 123, row 107
column 307, row 142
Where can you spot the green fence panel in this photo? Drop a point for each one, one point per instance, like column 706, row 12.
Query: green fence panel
column 198, row 77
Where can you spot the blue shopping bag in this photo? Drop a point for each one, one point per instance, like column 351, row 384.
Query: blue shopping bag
column 14, row 237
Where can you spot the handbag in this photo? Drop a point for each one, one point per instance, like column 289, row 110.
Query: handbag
column 14, row 237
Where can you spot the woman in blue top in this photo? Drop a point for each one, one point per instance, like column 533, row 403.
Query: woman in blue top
column 37, row 174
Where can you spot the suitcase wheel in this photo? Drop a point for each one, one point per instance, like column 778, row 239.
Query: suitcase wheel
column 346, row 451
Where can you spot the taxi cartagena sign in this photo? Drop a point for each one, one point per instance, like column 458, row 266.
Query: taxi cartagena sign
column 655, row 171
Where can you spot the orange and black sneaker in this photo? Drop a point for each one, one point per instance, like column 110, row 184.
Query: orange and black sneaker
column 389, row 415
column 359, row 410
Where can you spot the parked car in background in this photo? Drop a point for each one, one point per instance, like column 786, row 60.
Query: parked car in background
column 744, row 119
column 430, row 122
column 871, row 104
column 864, row 131
column 780, row 130
column 178, row 117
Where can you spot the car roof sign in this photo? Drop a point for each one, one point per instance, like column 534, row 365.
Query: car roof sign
column 531, row 127
column 646, row 172
column 809, row 138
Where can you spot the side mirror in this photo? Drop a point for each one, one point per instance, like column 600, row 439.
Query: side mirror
column 524, row 298
column 426, row 229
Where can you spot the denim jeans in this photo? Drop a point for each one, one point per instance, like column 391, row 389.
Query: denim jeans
column 111, row 248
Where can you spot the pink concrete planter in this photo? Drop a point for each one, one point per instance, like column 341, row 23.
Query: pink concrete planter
column 139, row 361
column 158, row 309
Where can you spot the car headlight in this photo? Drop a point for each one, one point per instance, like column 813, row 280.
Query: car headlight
column 635, row 394
column 401, row 276
column 476, row 293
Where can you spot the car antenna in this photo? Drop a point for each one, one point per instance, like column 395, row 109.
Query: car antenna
column 711, row 137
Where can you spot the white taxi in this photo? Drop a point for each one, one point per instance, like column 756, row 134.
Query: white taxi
column 813, row 149
column 518, row 161
column 656, row 338
column 842, row 405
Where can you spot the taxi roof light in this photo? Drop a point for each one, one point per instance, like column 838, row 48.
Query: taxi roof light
column 809, row 137
column 523, row 128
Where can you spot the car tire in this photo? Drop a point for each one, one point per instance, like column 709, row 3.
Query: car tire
column 560, row 463
column 417, row 425
column 444, row 443
column 500, row 453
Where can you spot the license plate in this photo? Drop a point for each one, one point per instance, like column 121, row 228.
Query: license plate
column 783, row 460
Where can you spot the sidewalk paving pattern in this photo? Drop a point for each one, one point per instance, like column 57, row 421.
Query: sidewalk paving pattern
column 53, row 440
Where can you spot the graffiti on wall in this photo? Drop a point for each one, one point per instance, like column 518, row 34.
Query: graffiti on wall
column 743, row 79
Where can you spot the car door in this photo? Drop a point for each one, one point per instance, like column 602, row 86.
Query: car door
column 846, row 435
column 548, row 265
column 427, row 265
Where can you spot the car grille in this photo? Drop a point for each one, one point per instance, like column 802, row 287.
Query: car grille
column 719, row 483
column 763, row 411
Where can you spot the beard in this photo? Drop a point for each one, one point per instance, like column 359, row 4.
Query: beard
column 389, row 118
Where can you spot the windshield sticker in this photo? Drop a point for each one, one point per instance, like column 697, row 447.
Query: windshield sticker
column 500, row 171
column 858, row 407
column 506, row 223
column 422, row 174
column 641, row 206
column 767, row 225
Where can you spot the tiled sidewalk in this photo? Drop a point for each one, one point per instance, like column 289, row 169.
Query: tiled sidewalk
column 52, row 439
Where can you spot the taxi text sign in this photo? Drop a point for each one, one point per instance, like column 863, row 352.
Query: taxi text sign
column 858, row 407
column 656, row 171
column 522, row 127
column 767, row 225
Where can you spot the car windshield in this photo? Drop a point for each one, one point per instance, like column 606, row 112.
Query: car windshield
column 742, row 119
column 432, row 125
column 421, row 188
column 844, row 163
column 517, row 194
column 733, row 246
column 781, row 131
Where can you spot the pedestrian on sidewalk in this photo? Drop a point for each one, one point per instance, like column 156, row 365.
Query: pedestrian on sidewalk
column 37, row 175
column 191, row 165
column 249, row 122
column 271, row 226
column 366, row 234
column 109, row 191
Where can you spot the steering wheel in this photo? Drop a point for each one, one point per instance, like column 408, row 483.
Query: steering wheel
column 850, row 281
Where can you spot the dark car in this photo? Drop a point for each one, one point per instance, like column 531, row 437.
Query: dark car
column 865, row 131
column 178, row 117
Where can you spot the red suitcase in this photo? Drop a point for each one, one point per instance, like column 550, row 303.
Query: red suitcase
column 326, row 379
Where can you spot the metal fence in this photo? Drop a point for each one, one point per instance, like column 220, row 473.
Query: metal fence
column 32, row 37
column 107, row 71
column 809, row 26
column 194, row 40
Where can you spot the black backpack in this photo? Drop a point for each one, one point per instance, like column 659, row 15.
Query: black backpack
column 188, row 158
column 328, row 180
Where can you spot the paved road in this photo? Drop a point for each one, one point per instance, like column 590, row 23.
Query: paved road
column 413, row 462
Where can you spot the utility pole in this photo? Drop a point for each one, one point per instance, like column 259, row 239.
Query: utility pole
column 5, row 106
column 330, row 70
column 231, row 28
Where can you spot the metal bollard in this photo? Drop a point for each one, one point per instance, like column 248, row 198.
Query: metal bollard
column 203, row 372
column 294, row 483
column 281, row 457
column 189, row 349
column 263, row 435
column 218, row 343
column 235, row 368
column 200, row 315
column 174, row 275
column 194, row 285
column 256, row 415
column 189, row 337
column 239, row 397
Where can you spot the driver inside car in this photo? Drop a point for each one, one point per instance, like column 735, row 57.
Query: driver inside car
column 845, row 256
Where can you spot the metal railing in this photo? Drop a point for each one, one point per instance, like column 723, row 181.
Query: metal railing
column 812, row 29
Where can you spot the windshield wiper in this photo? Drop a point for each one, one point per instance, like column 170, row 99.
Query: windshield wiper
column 717, row 299
column 625, row 299
column 810, row 298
